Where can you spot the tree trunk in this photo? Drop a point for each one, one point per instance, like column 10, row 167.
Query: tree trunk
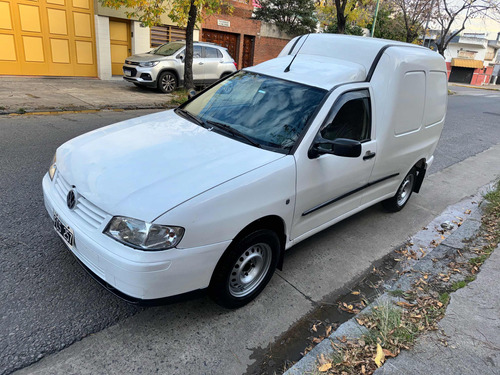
column 188, row 58
column 341, row 19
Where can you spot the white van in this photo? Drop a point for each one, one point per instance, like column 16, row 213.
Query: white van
column 211, row 194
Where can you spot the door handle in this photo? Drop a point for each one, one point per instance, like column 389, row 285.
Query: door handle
column 368, row 155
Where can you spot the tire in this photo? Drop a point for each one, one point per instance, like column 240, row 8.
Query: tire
column 402, row 196
column 245, row 269
column 167, row 82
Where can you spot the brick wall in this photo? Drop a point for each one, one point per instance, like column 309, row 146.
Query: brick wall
column 241, row 23
column 482, row 76
column 267, row 48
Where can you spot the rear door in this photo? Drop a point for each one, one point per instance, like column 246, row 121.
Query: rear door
column 198, row 65
column 212, row 61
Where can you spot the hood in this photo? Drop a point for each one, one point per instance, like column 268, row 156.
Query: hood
column 143, row 57
column 145, row 166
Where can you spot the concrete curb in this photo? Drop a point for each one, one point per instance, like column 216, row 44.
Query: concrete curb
column 475, row 87
column 454, row 240
column 51, row 111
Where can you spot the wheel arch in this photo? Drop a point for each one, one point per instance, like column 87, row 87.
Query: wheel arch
column 171, row 70
column 271, row 222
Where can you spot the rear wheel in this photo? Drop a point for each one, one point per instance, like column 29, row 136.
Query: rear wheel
column 167, row 82
column 398, row 201
column 245, row 269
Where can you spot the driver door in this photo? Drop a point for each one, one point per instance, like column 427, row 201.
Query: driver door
column 330, row 186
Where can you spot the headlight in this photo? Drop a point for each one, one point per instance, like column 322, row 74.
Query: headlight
column 52, row 168
column 142, row 235
column 149, row 63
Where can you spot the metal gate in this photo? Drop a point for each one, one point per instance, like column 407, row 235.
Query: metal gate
column 461, row 75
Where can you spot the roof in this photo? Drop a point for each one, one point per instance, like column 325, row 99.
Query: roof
column 325, row 60
column 312, row 70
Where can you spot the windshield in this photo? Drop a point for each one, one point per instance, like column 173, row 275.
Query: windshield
column 167, row 49
column 270, row 111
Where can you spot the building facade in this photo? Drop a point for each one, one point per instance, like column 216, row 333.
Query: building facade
column 78, row 38
column 81, row 38
column 248, row 40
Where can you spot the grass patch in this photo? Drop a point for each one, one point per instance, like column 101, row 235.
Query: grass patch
column 179, row 97
column 458, row 285
column 21, row 111
column 477, row 261
column 397, row 293
column 444, row 298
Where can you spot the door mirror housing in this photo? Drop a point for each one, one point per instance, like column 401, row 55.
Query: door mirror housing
column 181, row 57
column 348, row 148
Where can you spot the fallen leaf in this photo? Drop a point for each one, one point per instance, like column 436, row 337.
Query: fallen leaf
column 380, row 357
column 360, row 322
column 316, row 340
column 325, row 367
column 388, row 353
column 314, row 328
column 328, row 330
column 355, row 293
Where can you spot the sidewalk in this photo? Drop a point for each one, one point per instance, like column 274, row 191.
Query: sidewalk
column 466, row 341
column 471, row 327
column 37, row 94
column 484, row 87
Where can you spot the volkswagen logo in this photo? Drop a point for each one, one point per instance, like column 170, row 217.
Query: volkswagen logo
column 71, row 199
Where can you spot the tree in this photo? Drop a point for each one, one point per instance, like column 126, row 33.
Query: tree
column 293, row 17
column 458, row 12
column 390, row 24
column 345, row 16
column 414, row 13
column 184, row 13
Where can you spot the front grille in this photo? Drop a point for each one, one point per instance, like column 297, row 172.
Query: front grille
column 132, row 71
column 128, row 62
column 87, row 211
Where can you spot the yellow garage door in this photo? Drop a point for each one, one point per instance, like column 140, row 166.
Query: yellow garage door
column 119, row 35
column 47, row 37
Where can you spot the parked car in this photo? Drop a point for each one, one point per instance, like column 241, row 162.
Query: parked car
column 163, row 67
column 211, row 194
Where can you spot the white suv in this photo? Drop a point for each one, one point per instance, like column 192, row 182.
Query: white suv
column 163, row 67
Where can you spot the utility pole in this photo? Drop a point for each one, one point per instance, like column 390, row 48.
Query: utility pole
column 375, row 19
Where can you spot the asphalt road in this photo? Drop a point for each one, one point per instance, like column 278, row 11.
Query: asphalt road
column 49, row 302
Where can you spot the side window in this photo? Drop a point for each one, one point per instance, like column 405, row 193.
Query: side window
column 196, row 52
column 210, row 53
column 350, row 117
column 219, row 54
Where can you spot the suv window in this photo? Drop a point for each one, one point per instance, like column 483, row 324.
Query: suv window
column 211, row 53
column 350, row 117
column 196, row 52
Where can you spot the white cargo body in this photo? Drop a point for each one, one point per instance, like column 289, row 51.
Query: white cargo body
column 211, row 194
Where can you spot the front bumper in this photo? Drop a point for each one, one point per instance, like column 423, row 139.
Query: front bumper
column 135, row 273
column 145, row 76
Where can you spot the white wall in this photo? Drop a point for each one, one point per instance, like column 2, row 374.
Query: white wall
column 103, row 47
column 453, row 48
column 141, row 42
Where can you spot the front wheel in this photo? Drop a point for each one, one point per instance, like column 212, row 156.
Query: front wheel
column 398, row 201
column 167, row 82
column 245, row 269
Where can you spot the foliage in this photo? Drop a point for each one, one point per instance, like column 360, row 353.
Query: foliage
column 293, row 17
column 389, row 24
column 341, row 16
column 413, row 14
column 350, row 29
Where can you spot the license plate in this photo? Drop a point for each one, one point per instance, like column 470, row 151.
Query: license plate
column 64, row 231
column 128, row 73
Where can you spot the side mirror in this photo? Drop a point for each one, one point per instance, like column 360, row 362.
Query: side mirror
column 341, row 147
column 180, row 57
column 191, row 93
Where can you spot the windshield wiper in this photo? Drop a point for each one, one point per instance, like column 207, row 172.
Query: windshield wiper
column 189, row 116
column 233, row 131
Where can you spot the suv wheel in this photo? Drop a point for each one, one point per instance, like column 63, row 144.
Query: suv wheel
column 167, row 82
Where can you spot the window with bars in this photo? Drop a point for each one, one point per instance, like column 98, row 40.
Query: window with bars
column 165, row 33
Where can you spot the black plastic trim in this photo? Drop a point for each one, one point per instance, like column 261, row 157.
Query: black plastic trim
column 331, row 201
column 294, row 44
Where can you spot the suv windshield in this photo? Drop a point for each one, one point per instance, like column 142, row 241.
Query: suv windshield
column 270, row 111
column 167, row 49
